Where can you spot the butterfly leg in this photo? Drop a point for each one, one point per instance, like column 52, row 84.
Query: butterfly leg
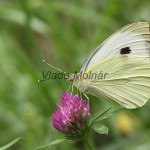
column 86, row 96
column 79, row 94
column 72, row 88
column 68, row 87
column 87, row 99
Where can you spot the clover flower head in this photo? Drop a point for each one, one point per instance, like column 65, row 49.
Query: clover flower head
column 72, row 115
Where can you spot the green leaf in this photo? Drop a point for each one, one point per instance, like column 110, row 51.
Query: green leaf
column 51, row 143
column 100, row 128
column 10, row 144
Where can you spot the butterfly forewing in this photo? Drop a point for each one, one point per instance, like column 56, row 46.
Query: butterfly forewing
column 136, row 36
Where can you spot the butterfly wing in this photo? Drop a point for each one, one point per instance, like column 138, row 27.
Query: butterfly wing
column 124, row 59
column 135, row 36
column 124, row 80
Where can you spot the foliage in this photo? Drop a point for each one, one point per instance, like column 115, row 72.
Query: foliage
column 64, row 33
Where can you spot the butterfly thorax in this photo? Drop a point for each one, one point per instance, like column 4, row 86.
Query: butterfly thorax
column 78, row 82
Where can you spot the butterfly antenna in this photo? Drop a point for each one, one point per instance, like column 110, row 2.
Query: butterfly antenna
column 56, row 80
column 53, row 66
column 60, row 85
column 43, row 80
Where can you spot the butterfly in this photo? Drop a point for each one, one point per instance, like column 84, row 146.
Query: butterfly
column 125, row 58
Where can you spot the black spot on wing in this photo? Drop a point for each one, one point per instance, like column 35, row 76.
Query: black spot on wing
column 125, row 50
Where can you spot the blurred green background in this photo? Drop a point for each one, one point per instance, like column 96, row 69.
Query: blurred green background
column 63, row 32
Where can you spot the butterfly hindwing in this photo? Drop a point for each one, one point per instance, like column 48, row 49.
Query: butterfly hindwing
column 127, row 81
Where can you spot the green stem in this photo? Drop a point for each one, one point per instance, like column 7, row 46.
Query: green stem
column 87, row 145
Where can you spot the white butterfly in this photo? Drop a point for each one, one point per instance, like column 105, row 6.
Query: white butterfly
column 125, row 57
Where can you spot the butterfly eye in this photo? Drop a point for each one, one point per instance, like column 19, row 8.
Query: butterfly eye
column 71, row 78
column 125, row 50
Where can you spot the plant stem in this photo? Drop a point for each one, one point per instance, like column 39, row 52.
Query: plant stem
column 87, row 145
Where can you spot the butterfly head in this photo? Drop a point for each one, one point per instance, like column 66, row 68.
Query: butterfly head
column 74, row 77
column 78, row 82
